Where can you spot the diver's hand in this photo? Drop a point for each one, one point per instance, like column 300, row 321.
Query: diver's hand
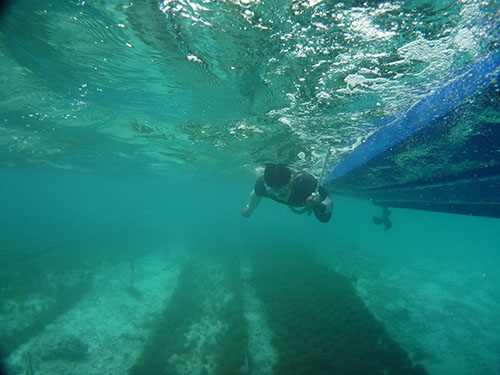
column 246, row 212
column 314, row 203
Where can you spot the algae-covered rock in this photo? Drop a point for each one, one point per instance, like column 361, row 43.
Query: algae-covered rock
column 68, row 348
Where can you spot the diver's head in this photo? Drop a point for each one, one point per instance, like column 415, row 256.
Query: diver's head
column 277, row 180
column 276, row 175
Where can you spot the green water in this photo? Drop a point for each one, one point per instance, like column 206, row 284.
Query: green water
column 131, row 134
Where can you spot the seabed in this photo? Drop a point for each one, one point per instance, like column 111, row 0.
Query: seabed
column 259, row 310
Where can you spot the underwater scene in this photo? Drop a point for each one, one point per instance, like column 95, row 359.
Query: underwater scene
column 250, row 187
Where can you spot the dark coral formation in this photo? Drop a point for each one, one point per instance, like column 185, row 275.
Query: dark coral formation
column 167, row 345
column 67, row 348
column 320, row 325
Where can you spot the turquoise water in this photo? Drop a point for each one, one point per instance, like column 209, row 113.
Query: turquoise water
column 131, row 135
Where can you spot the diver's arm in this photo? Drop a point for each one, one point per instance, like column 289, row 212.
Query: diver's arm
column 328, row 203
column 322, row 209
column 324, row 206
column 253, row 202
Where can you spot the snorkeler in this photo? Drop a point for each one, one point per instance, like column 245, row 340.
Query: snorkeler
column 384, row 219
column 280, row 184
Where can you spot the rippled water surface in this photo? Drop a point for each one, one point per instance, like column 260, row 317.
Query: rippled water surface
column 215, row 85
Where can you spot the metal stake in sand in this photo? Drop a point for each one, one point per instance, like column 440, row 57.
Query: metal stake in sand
column 28, row 364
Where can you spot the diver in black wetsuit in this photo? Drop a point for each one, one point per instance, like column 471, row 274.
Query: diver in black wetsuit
column 280, row 184
column 384, row 219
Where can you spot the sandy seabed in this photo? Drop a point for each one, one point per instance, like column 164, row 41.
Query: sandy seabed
column 108, row 326
column 445, row 314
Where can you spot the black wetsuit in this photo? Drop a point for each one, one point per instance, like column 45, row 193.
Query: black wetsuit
column 303, row 185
